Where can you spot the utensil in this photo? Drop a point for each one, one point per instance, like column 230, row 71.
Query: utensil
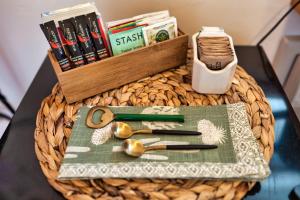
column 108, row 116
column 124, row 131
column 136, row 148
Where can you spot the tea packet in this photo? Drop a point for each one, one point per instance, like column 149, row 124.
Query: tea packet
column 158, row 32
column 87, row 16
column 216, row 62
column 215, row 51
column 72, row 46
column 160, row 16
column 51, row 34
column 137, row 19
column 127, row 34
column 97, row 34
column 126, row 40
column 83, row 35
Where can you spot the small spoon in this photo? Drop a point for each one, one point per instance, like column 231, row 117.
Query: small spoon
column 136, row 148
column 123, row 131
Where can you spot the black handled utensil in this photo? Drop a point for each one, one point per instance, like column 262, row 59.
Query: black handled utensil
column 123, row 131
column 136, row 148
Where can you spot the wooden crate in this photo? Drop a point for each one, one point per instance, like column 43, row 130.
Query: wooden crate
column 113, row 72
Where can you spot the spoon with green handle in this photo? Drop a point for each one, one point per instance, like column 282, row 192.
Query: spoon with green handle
column 123, row 131
column 136, row 148
column 108, row 116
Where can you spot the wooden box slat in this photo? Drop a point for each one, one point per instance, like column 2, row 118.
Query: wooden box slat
column 113, row 72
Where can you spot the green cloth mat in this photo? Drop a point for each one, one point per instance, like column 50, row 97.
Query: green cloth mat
column 95, row 153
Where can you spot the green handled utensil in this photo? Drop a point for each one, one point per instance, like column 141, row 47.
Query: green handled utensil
column 108, row 116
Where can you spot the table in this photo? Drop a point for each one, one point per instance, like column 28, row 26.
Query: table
column 22, row 178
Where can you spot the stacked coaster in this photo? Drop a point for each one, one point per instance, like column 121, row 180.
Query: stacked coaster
column 215, row 52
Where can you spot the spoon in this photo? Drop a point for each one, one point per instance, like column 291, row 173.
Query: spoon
column 123, row 131
column 136, row 148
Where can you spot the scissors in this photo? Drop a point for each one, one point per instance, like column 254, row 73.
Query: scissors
column 108, row 116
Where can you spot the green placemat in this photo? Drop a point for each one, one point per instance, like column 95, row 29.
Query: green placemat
column 95, row 153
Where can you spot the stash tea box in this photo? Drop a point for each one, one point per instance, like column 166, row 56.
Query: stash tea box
column 113, row 72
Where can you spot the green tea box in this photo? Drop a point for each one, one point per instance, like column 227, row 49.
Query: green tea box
column 126, row 40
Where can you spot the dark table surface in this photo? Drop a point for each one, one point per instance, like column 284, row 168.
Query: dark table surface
column 21, row 176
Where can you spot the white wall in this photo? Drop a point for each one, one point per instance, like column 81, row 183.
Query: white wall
column 290, row 26
column 23, row 46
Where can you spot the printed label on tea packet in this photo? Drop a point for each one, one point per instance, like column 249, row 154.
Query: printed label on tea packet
column 215, row 52
column 126, row 41
column 161, row 31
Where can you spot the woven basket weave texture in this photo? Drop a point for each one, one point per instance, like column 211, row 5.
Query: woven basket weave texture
column 55, row 119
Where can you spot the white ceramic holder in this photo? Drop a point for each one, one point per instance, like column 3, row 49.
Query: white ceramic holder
column 209, row 81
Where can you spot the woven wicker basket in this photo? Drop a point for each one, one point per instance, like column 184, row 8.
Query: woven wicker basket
column 55, row 119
